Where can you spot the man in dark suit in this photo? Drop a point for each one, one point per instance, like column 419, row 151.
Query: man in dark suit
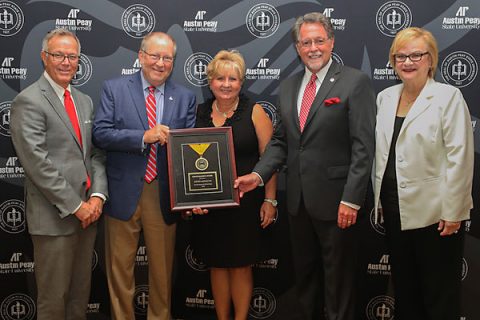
column 132, row 125
column 65, row 185
column 325, row 135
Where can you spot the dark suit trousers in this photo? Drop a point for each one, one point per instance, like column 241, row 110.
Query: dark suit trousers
column 63, row 269
column 325, row 261
column 426, row 269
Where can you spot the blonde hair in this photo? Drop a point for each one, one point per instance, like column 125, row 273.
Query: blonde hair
column 225, row 59
column 412, row 33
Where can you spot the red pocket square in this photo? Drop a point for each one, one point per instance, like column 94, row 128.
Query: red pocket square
column 329, row 102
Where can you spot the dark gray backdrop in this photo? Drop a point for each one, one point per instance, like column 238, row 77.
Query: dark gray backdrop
column 110, row 32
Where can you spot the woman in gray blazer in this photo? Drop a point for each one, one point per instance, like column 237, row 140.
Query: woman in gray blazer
column 423, row 180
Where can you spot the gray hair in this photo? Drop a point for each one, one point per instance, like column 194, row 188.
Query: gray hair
column 312, row 17
column 158, row 35
column 60, row 32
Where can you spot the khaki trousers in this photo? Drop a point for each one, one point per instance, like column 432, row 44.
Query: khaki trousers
column 121, row 243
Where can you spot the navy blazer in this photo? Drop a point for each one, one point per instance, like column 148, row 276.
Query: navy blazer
column 120, row 122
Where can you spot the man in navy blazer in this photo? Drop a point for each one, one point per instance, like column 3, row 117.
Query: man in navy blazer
column 329, row 158
column 137, row 173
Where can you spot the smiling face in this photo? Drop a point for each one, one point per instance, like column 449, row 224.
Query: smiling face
column 156, row 72
column 413, row 71
column 317, row 54
column 226, row 84
column 61, row 72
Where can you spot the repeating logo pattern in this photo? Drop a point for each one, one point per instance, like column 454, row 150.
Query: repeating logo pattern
column 5, row 118
column 263, row 304
column 459, row 69
column 392, row 17
column 11, row 18
column 84, row 72
column 381, row 308
column 195, row 68
column 17, row 306
column 138, row 20
column 263, row 20
column 12, row 216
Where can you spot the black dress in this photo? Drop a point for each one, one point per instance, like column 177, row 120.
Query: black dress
column 232, row 237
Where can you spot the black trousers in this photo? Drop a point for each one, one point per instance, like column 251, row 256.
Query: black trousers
column 426, row 268
column 325, row 263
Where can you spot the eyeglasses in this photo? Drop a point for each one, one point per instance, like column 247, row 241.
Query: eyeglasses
column 414, row 57
column 308, row 42
column 156, row 57
column 58, row 57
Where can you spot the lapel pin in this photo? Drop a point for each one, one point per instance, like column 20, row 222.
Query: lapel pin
column 170, row 98
column 332, row 79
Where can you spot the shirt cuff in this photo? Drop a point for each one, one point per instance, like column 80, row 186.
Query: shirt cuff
column 99, row 195
column 261, row 180
column 351, row 205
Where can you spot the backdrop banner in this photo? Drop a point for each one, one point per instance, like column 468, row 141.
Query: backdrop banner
column 110, row 32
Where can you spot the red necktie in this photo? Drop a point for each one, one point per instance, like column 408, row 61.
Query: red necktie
column 307, row 100
column 151, row 172
column 72, row 114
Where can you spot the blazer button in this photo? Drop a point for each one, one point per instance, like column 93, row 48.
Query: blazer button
column 403, row 185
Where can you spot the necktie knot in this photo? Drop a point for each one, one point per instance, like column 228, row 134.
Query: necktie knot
column 66, row 94
column 151, row 89
column 313, row 78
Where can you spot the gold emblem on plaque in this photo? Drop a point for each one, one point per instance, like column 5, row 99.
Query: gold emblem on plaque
column 201, row 163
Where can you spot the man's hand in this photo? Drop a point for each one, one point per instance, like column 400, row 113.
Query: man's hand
column 97, row 205
column 448, row 228
column 85, row 214
column 246, row 183
column 159, row 134
column 347, row 216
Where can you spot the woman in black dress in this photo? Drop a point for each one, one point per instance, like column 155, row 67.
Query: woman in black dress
column 230, row 240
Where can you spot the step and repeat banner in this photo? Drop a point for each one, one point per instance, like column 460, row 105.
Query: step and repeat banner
column 110, row 33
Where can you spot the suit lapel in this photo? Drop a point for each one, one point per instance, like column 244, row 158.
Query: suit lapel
column 420, row 105
column 294, row 96
column 80, row 105
column 387, row 117
column 58, row 106
column 138, row 98
column 168, row 102
column 330, row 79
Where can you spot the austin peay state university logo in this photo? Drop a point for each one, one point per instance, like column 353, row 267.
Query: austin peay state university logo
column 138, row 20
column 459, row 69
column 140, row 299
column 262, row 20
column 5, row 118
column 12, row 216
column 11, row 18
column 17, row 306
column 192, row 261
column 195, row 68
column 84, row 72
column 263, row 304
column 381, row 308
column 392, row 17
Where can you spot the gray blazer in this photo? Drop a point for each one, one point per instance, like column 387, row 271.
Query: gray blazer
column 331, row 160
column 55, row 164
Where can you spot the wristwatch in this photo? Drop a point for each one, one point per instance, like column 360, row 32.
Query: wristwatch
column 272, row 201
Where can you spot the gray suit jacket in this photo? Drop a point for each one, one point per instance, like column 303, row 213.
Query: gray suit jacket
column 332, row 159
column 55, row 164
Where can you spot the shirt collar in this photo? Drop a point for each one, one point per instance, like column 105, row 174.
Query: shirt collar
column 320, row 74
column 146, row 84
column 58, row 89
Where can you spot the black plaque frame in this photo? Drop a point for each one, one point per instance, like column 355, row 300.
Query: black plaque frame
column 206, row 182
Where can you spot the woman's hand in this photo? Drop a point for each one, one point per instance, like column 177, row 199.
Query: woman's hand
column 448, row 228
column 268, row 214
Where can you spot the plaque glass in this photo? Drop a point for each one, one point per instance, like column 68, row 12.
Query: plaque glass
column 201, row 167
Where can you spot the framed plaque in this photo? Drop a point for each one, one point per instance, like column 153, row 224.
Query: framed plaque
column 201, row 167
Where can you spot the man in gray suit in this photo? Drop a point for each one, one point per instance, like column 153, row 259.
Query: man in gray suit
column 65, row 183
column 325, row 135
